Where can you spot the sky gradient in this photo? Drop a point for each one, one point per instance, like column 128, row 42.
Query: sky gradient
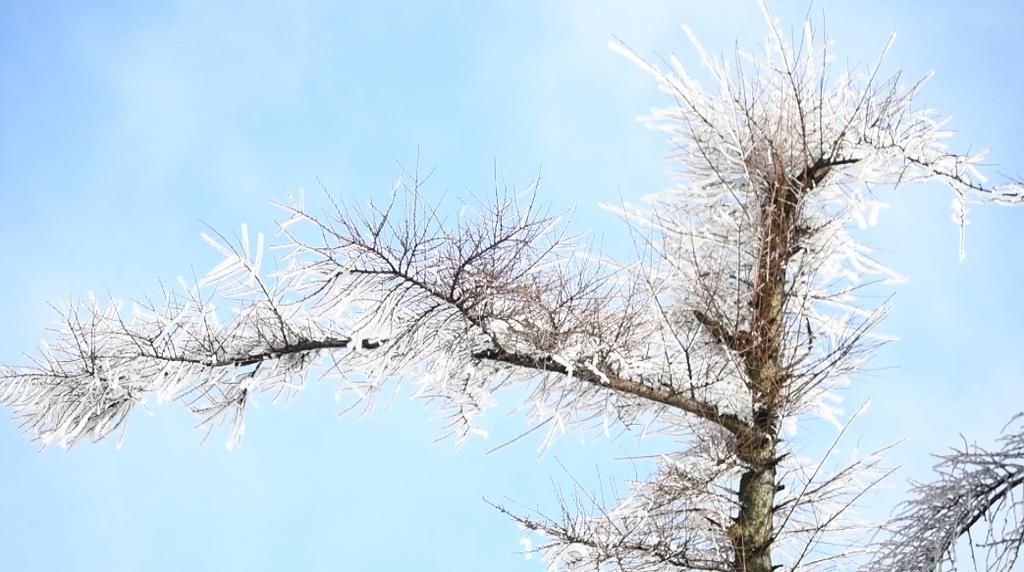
column 127, row 128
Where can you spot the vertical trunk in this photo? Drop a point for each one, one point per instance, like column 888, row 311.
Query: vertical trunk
column 752, row 532
column 752, row 536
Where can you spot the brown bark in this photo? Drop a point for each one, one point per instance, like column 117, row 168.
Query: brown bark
column 752, row 530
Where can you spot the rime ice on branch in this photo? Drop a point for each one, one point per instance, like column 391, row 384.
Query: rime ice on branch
column 978, row 496
column 739, row 315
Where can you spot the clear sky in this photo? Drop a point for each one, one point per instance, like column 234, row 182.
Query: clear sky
column 124, row 128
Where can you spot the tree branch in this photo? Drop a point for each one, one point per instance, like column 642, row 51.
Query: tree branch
column 731, row 422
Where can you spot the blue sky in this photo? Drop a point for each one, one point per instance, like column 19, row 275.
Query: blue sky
column 124, row 128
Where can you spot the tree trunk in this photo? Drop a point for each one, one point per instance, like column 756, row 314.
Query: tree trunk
column 753, row 530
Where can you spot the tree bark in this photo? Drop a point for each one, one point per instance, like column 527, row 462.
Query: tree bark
column 752, row 532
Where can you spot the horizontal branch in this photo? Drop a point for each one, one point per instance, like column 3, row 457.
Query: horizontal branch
column 732, row 423
column 301, row 347
column 620, row 547
column 266, row 355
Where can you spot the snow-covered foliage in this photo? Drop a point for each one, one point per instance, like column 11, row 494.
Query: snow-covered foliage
column 738, row 317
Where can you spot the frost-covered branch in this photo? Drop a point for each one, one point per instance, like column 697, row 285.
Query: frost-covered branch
column 976, row 501
column 461, row 307
column 595, row 375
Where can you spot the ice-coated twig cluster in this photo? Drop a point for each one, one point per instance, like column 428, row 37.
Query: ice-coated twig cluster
column 972, row 512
